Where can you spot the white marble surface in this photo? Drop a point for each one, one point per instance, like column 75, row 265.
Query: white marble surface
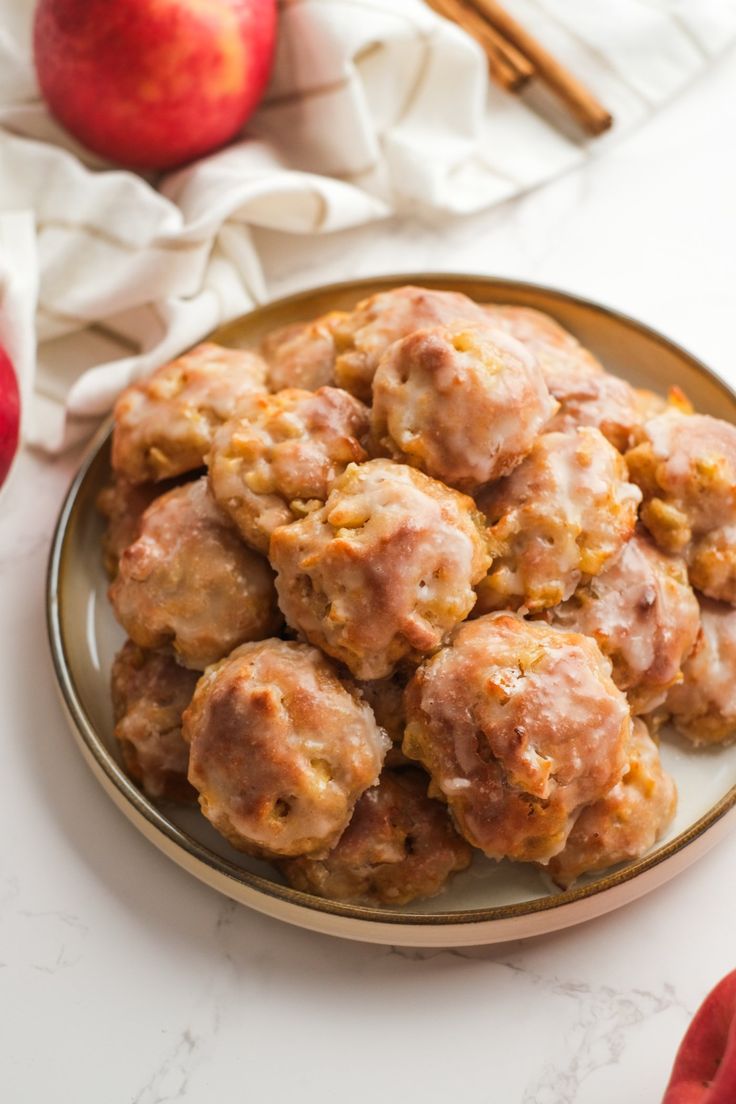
column 125, row 981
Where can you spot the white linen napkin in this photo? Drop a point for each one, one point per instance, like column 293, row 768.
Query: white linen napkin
column 376, row 107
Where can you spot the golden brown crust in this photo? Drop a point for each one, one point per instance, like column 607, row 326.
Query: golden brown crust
column 386, row 699
column 597, row 399
column 712, row 563
column 399, row 846
column 277, row 459
column 563, row 515
column 188, row 583
column 122, row 504
column 625, row 823
column 281, row 748
column 643, row 615
column 383, row 570
column 150, row 692
column 518, row 723
column 163, row 425
column 520, row 727
column 364, row 334
column 703, row 706
column 685, row 465
column 463, row 403
column 555, row 347
column 302, row 354
column 587, row 394
column 651, row 404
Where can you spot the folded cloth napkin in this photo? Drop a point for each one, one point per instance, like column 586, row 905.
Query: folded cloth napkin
column 376, row 107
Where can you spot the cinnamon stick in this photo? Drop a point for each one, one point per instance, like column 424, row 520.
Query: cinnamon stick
column 589, row 112
column 507, row 66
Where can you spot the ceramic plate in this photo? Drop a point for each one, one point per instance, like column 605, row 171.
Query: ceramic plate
column 489, row 902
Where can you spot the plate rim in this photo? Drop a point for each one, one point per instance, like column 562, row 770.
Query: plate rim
column 128, row 795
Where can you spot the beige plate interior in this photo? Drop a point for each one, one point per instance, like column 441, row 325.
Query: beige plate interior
column 489, row 902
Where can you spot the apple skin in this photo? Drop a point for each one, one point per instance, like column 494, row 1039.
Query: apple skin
column 9, row 414
column 705, row 1066
column 153, row 84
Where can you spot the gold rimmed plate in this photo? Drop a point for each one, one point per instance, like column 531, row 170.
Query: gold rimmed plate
column 489, row 902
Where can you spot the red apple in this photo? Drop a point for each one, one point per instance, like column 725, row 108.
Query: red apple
column 705, row 1066
column 9, row 414
column 153, row 83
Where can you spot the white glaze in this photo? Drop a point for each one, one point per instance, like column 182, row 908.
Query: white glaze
column 463, row 403
column 565, row 512
column 643, row 614
column 279, row 456
column 530, row 717
column 384, row 570
column 164, row 424
column 88, row 907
